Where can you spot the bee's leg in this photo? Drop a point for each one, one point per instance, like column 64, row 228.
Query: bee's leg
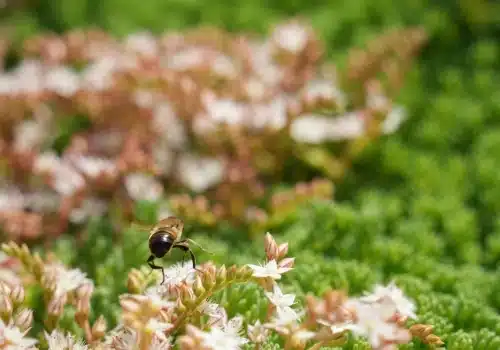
column 185, row 247
column 156, row 267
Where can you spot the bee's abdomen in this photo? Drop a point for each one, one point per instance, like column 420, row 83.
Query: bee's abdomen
column 160, row 243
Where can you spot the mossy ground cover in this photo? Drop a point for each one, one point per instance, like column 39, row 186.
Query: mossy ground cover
column 419, row 207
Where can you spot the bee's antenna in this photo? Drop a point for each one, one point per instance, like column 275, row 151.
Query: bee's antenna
column 199, row 246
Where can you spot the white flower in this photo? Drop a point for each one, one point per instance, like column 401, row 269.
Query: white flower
column 226, row 111
column 219, row 339
column 291, row 36
column 223, row 66
column 121, row 338
column 14, row 339
column 11, row 198
column 347, row 126
column 30, row 76
column 166, row 122
column 394, row 119
column 312, row 128
column 98, row 75
column 158, row 328
column 391, row 299
column 376, row 100
column 141, row 186
column 186, row 59
column 271, row 270
column 233, row 326
column 180, row 272
column 279, row 299
column 326, row 90
column 8, row 84
column 29, row 135
column 160, row 344
column 63, row 81
column 257, row 332
column 66, row 180
column 212, row 310
column 60, row 341
column 144, row 98
column 158, row 297
column 43, row 201
column 372, row 323
column 93, row 166
column 198, row 174
column 46, row 162
column 163, row 157
column 255, row 89
column 262, row 64
column 91, row 207
column 337, row 328
column 272, row 115
column 65, row 280
column 142, row 43
column 284, row 317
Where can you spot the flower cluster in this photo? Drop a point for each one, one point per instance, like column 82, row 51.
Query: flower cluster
column 186, row 311
column 90, row 123
column 62, row 288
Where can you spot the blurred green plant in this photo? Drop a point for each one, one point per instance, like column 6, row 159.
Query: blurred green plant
column 421, row 207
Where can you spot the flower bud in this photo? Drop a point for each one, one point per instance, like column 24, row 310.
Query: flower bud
column 187, row 343
column 221, row 274
column 244, row 272
column 287, row 262
column 188, row 296
column 208, row 278
column 99, row 328
column 6, row 307
column 83, row 307
column 54, row 312
column 421, row 330
column 282, row 251
column 85, row 291
column 133, row 284
column 4, row 288
column 270, row 247
column 38, row 266
column 433, row 339
column 17, row 295
column 180, row 306
column 198, row 286
column 231, row 273
column 24, row 319
column 129, row 304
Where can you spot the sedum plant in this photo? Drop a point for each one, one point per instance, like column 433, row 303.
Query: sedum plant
column 187, row 311
column 198, row 123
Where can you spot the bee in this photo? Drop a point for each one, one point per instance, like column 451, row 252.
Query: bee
column 165, row 236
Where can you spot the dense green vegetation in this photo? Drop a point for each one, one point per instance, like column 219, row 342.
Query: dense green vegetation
column 420, row 207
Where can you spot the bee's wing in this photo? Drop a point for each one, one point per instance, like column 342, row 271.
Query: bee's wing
column 140, row 227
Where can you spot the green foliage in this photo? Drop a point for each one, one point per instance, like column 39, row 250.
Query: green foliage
column 420, row 208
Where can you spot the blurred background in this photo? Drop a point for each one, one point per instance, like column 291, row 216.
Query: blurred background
column 366, row 132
